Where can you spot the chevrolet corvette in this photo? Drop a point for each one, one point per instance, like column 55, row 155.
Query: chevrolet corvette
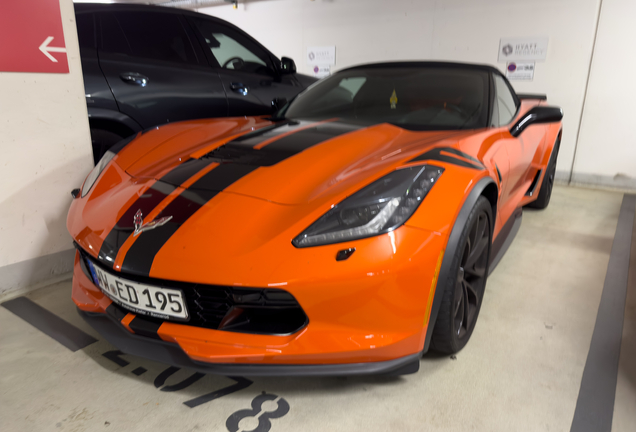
column 348, row 233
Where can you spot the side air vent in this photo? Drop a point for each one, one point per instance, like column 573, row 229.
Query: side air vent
column 535, row 181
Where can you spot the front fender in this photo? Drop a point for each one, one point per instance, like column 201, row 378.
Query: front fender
column 446, row 210
column 102, row 114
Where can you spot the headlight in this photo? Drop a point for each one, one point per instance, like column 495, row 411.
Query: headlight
column 378, row 208
column 95, row 172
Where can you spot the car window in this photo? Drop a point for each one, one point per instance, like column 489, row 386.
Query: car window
column 85, row 30
column 231, row 50
column 506, row 104
column 353, row 84
column 152, row 35
column 426, row 98
column 113, row 38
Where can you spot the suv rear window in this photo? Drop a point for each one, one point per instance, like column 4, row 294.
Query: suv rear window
column 152, row 35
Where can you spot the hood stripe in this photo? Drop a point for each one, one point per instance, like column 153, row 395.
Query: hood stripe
column 284, row 134
column 185, row 171
column 267, row 152
column 163, row 187
column 139, row 258
column 309, row 137
column 142, row 253
column 146, row 202
column 251, row 139
column 125, row 226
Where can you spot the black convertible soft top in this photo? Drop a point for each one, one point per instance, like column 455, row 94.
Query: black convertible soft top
column 425, row 64
column 532, row 96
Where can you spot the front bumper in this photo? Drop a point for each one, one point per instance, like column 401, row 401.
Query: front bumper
column 366, row 315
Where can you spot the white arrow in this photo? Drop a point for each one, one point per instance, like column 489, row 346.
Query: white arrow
column 46, row 49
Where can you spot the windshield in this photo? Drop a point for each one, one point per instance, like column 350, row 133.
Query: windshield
column 417, row 98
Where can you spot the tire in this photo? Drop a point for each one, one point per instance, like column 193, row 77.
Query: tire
column 465, row 286
column 102, row 140
column 545, row 193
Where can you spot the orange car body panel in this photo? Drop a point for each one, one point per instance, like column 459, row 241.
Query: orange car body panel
column 373, row 306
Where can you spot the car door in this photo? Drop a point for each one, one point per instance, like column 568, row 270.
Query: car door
column 521, row 149
column 156, row 71
column 98, row 94
column 248, row 71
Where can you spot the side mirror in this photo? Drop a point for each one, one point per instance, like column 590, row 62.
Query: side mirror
column 538, row 114
column 278, row 103
column 287, row 66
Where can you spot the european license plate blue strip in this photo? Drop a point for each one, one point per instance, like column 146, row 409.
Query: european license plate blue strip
column 93, row 272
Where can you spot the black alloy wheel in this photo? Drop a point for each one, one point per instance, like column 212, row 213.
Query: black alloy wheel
column 551, row 172
column 465, row 284
column 471, row 277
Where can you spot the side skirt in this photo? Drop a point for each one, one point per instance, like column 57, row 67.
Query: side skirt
column 504, row 239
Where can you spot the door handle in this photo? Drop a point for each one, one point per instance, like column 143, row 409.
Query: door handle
column 134, row 78
column 239, row 88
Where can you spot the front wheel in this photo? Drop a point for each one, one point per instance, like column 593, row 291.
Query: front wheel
column 465, row 286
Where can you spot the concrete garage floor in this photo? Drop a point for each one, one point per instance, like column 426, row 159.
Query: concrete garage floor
column 521, row 371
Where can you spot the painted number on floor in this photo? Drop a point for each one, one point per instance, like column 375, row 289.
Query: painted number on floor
column 262, row 414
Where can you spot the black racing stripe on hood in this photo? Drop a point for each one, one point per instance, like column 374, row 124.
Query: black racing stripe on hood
column 236, row 161
column 282, row 148
column 221, row 177
column 256, row 137
column 185, row 171
column 125, row 225
column 306, row 138
column 438, row 155
column 142, row 253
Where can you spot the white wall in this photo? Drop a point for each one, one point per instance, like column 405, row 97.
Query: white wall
column 607, row 145
column 46, row 152
column 461, row 30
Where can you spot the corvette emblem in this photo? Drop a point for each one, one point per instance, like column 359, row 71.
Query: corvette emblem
column 140, row 227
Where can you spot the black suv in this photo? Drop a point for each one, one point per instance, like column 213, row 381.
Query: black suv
column 149, row 65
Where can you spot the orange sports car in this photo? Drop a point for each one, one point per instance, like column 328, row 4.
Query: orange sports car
column 346, row 234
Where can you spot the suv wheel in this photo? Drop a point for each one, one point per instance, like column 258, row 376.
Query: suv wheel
column 102, row 140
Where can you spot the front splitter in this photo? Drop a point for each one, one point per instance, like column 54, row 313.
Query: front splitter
column 172, row 354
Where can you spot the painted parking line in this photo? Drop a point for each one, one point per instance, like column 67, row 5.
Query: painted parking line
column 75, row 339
column 241, row 383
column 595, row 404
column 48, row 323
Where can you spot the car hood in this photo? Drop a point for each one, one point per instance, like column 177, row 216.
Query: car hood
column 289, row 162
column 224, row 192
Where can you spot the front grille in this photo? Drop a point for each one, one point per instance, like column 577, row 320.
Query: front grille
column 247, row 310
column 261, row 310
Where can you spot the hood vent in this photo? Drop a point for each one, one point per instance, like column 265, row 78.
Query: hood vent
column 246, row 155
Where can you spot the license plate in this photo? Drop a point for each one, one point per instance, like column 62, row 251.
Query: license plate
column 140, row 298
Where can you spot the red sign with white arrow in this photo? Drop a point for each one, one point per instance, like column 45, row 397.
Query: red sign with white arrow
column 31, row 37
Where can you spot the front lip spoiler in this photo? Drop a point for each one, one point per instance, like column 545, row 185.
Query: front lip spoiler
column 172, row 354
